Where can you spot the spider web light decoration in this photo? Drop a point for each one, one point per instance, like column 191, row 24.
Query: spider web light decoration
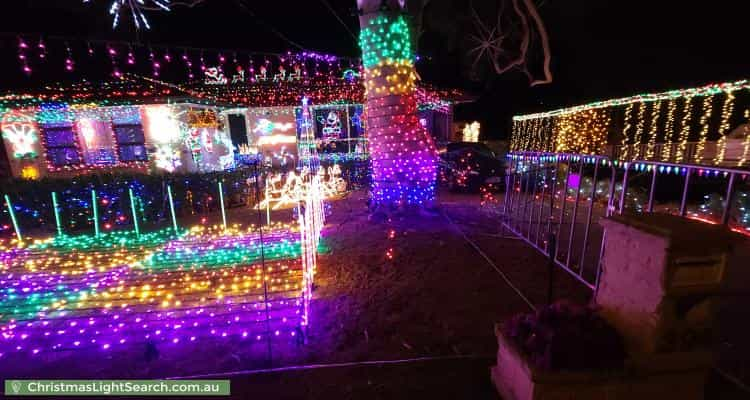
column 488, row 41
column 137, row 8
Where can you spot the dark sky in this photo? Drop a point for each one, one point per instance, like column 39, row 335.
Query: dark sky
column 601, row 48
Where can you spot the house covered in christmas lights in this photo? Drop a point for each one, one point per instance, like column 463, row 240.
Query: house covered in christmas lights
column 127, row 125
column 139, row 124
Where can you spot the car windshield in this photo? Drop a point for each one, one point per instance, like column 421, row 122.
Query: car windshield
column 478, row 147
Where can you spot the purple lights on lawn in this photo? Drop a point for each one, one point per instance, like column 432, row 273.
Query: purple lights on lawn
column 205, row 284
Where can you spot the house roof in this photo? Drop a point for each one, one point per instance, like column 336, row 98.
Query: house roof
column 135, row 89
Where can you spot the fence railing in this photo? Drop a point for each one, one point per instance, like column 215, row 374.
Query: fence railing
column 554, row 201
column 732, row 152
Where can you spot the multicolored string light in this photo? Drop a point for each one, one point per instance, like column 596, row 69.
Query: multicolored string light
column 119, row 289
column 402, row 152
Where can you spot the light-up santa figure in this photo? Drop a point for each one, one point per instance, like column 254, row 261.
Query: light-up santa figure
column 404, row 157
column 331, row 126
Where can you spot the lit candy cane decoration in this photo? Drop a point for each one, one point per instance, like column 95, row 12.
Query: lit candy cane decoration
column 188, row 64
column 155, row 66
column 131, row 57
column 69, row 64
column 22, row 47
column 113, row 58
column 42, row 49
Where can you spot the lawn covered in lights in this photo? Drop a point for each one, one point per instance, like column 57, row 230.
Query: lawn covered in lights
column 164, row 287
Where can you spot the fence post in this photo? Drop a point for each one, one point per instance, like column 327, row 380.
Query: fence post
column 624, row 192
column 650, row 208
column 728, row 203
column 514, row 197
column 552, row 194
column 530, row 201
column 541, row 206
column 574, row 216
column 683, row 201
column 564, row 202
column 552, row 245
column 588, row 217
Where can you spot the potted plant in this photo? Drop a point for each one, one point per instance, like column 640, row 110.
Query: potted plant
column 566, row 351
column 560, row 349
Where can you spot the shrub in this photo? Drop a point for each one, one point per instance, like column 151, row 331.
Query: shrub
column 563, row 336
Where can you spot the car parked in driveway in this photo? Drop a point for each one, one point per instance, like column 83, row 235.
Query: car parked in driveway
column 467, row 166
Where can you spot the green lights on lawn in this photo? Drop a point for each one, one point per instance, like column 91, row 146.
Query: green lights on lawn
column 13, row 218
column 135, row 216
column 95, row 208
column 56, row 208
column 223, row 212
column 171, row 208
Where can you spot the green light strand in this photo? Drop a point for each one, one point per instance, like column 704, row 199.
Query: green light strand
column 135, row 216
column 56, row 208
column 95, row 208
column 108, row 240
column 171, row 209
column 223, row 213
column 13, row 218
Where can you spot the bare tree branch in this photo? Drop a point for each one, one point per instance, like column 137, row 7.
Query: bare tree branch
column 490, row 40
column 521, row 58
column 545, row 43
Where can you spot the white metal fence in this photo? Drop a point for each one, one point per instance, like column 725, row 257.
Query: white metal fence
column 554, row 201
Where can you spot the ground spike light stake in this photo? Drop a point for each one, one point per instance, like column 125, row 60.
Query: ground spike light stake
column 221, row 199
column 56, row 209
column 95, row 208
column 135, row 216
column 13, row 218
column 171, row 208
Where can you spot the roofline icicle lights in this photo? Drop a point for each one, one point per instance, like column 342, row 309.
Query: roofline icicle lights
column 695, row 125
column 708, row 90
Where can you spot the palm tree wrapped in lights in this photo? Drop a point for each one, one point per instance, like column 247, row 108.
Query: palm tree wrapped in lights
column 404, row 157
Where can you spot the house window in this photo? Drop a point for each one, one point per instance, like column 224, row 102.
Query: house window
column 60, row 142
column 131, row 142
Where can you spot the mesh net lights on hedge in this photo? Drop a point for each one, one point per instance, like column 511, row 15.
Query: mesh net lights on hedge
column 402, row 152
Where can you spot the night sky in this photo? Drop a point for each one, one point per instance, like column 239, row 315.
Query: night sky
column 600, row 49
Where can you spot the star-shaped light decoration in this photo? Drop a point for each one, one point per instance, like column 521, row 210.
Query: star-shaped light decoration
column 137, row 8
